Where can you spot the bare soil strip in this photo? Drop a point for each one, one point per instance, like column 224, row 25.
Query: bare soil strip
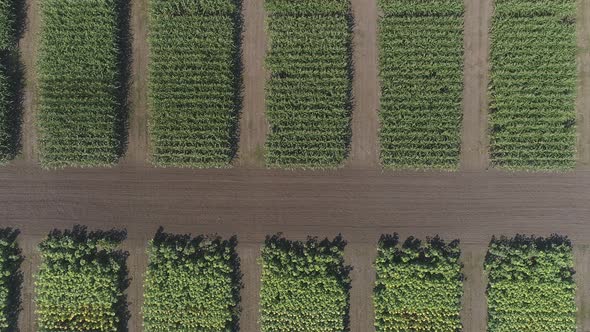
column 249, row 253
column 364, row 149
column 30, row 266
column 474, row 313
column 137, row 266
column 253, row 124
column 582, row 276
column 475, row 141
column 28, row 48
column 138, row 145
column 583, row 96
column 361, row 257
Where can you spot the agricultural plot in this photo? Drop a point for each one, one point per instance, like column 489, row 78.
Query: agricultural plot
column 304, row 285
column 82, row 82
column 419, row 286
column 533, row 84
column 81, row 282
column 421, row 74
column 309, row 92
column 531, row 286
column 194, row 88
column 10, row 12
column 10, row 279
column 192, row 284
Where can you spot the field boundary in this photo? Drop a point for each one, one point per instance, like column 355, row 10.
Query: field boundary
column 583, row 93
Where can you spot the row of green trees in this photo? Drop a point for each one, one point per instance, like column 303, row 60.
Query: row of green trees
column 194, row 283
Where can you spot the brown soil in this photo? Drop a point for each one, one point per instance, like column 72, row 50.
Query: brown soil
column 253, row 124
column 474, row 313
column 364, row 149
column 474, row 144
column 28, row 47
column 138, row 145
column 249, row 254
column 583, row 97
column 361, row 257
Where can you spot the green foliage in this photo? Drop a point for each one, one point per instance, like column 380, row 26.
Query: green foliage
column 531, row 286
column 194, row 81
column 82, row 88
column 81, row 282
column 309, row 91
column 192, row 284
column 419, row 286
column 533, row 84
column 304, row 286
column 10, row 280
column 9, row 25
column 6, row 137
column 421, row 71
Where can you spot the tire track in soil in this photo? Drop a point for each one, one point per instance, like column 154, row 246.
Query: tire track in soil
column 583, row 94
column 28, row 46
column 361, row 256
column 364, row 148
column 474, row 306
column 138, row 146
column 253, row 123
column 250, row 294
column 474, row 141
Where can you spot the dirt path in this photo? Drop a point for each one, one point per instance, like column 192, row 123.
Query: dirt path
column 253, row 124
column 364, row 149
column 28, row 47
column 138, row 145
column 249, row 253
column 361, row 257
column 583, row 96
column 582, row 276
column 474, row 144
column 137, row 266
column 30, row 266
column 474, row 313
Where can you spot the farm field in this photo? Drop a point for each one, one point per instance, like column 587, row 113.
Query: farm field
column 419, row 285
column 361, row 202
column 191, row 283
column 308, row 95
column 82, row 86
column 421, row 75
column 533, row 85
column 194, row 82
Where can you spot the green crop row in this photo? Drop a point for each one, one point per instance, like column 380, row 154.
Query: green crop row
column 531, row 286
column 309, row 90
column 82, row 83
column 533, row 84
column 191, row 284
column 194, row 81
column 421, row 74
column 419, row 285
column 81, row 281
